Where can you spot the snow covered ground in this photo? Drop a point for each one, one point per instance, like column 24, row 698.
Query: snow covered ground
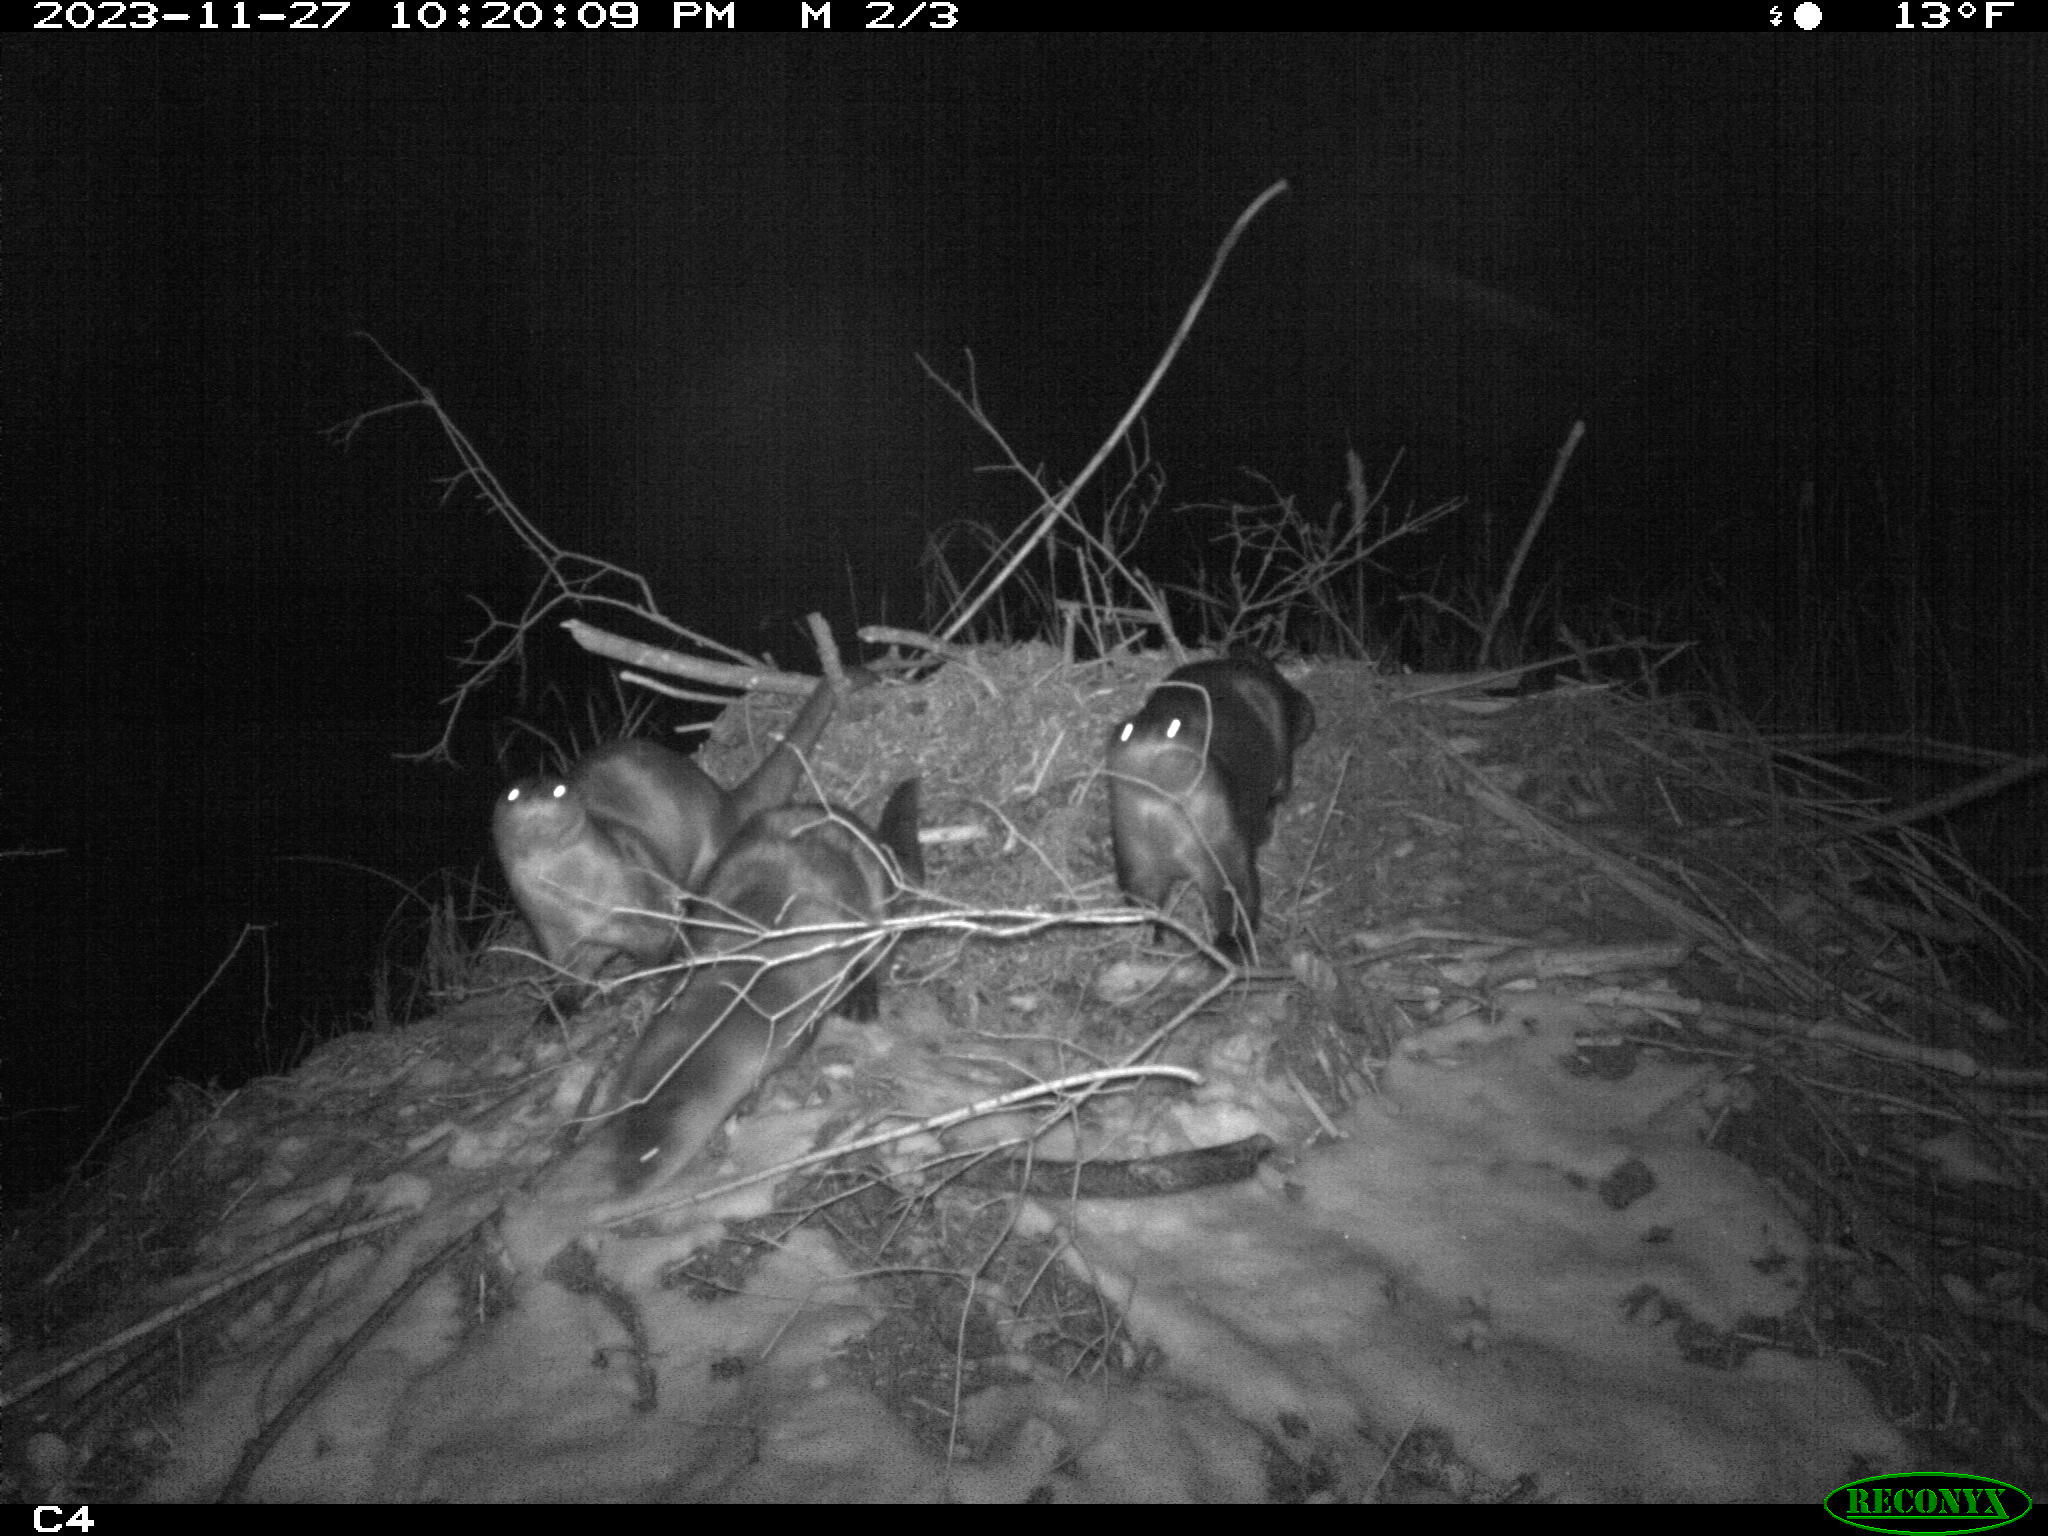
column 1509, row 1279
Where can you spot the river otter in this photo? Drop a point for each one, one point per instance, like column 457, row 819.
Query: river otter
column 598, row 860
column 1193, row 780
column 780, row 937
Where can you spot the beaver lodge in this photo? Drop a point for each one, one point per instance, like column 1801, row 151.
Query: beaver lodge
column 1603, row 1124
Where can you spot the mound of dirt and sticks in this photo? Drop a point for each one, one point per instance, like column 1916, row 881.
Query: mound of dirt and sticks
column 1602, row 1125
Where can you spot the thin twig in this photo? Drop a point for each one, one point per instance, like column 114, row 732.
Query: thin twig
column 1057, row 508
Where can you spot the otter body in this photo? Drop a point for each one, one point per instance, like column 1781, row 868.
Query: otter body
column 598, row 860
column 758, row 987
column 1193, row 780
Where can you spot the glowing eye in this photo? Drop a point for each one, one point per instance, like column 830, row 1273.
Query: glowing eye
column 1173, row 730
column 1125, row 733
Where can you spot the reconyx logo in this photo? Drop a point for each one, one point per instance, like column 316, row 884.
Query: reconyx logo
column 1945, row 1502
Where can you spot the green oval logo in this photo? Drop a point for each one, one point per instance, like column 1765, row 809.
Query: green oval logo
column 1916, row 1502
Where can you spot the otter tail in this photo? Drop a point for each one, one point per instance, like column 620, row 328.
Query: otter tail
column 896, row 830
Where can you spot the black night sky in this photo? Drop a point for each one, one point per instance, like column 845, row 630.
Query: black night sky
column 675, row 290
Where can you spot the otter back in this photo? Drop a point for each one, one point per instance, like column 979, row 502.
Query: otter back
column 599, row 860
column 759, row 985
column 1194, row 777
